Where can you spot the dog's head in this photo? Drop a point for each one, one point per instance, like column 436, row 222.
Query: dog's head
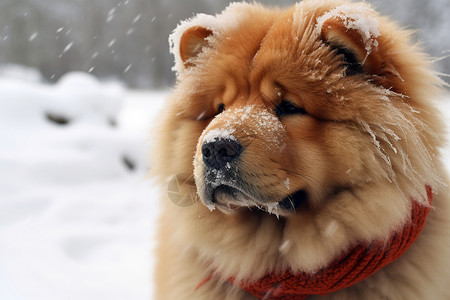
column 297, row 105
column 285, row 110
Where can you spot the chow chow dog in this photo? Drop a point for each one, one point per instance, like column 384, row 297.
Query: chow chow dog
column 301, row 152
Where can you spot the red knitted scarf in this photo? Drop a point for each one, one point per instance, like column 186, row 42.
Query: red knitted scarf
column 356, row 265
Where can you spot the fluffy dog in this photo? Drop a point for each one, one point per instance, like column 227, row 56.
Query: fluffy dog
column 306, row 147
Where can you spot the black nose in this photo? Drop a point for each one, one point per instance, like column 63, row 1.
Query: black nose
column 218, row 153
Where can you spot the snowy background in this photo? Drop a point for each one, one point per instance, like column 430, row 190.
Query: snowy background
column 127, row 39
column 77, row 212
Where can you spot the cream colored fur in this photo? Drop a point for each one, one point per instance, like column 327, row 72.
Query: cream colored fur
column 367, row 148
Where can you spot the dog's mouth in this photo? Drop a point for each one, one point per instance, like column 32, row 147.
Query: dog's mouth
column 228, row 199
column 224, row 190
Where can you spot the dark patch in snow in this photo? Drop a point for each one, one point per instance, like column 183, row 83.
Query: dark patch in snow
column 130, row 164
column 57, row 119
column 112, row 122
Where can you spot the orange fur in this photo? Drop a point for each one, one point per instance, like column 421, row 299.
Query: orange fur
column 367, row 146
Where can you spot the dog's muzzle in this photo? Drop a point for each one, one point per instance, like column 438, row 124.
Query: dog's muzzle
column 222, row 184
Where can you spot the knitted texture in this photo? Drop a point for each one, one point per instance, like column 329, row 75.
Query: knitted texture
column 356, row 265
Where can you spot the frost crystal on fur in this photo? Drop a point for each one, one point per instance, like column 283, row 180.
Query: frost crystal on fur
column 358, row 17
column 272, row 208
column 287, row 183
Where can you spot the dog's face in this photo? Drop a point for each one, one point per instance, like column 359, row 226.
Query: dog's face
column 284, row 111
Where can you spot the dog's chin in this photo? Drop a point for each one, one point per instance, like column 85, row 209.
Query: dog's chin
column 230, row 200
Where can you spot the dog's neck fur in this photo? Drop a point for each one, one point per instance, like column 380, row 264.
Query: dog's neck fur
column 356, row 265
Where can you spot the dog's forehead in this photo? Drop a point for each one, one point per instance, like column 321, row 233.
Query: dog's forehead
column 285, row 49
column 247, row 53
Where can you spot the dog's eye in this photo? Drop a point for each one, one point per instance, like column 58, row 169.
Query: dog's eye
column 221, row 108
column 287, row 108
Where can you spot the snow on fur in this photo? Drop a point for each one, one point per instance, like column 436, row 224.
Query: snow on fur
column 218, row 24
column 259, row 122
column 359, row 17
column 219, row 134
column 414, row 170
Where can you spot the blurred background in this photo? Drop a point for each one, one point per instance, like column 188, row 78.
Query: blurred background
column 127, row 39
column 81, row 84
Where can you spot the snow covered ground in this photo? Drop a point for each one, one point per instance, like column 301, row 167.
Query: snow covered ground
column 76, row 211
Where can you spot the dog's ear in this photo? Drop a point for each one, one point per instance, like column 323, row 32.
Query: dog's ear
column 354, row 36
column 192, row 42
column 189, row 39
